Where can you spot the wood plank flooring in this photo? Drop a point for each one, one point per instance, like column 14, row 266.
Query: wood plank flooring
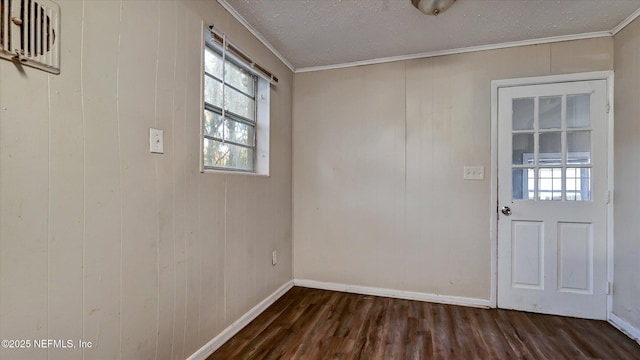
column 317, row 324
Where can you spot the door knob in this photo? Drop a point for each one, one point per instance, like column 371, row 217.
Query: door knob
column 506, row 210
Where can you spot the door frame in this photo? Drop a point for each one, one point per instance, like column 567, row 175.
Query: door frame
column 607, row 75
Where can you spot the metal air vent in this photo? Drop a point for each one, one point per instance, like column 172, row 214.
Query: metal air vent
column 30, row 33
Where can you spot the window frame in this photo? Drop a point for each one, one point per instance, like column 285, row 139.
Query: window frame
column 261, row 124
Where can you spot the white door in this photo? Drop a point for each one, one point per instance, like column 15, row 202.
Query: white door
column 552, row 198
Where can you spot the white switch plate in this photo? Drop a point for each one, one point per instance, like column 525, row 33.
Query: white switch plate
column 156, row 141
column 474, row 172
column 274, row 257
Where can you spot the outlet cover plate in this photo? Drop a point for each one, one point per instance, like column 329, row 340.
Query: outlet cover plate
column 156, row 141
column 474, row 172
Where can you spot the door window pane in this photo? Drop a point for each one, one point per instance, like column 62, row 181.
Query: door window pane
column 523, row 181
column 523, row 114
column 549, row 184
column 578, row 111
column 550, row 110
column 550, row 148
column 578, row 184
column 523, row 147
column 579, row 147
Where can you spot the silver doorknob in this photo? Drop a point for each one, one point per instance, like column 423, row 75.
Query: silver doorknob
column 506, row 210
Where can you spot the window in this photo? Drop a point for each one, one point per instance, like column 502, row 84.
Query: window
column 235, row 123
column 552, row 155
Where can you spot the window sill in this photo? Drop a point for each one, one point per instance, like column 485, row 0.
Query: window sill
column 231, row 172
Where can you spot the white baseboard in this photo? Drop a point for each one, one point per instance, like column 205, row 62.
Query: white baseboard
column 625, row 327
column 237, row 325
column 398, row 294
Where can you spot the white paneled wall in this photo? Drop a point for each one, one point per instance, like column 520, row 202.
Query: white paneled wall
column 379, row 151
column 102, row 241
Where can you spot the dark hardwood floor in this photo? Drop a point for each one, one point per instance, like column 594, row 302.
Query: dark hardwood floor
column 318, row 324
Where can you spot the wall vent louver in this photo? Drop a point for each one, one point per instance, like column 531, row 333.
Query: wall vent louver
column 30, row 33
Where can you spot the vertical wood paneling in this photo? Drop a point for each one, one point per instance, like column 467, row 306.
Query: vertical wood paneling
column 193, row 242
column 234, row 249
column 419, row 101
column 627, row 172
column 66, row 192
column 140, row 224
column 212, row 226
column 180, row 172
column 102, row 178
column 165, row 164
column 104, row 242
column 24, row 147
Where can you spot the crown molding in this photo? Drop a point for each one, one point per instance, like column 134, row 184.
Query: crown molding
column 625, row 22
column 459, row 51
column 256, row 33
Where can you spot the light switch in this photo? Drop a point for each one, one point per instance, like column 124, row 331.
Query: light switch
column 474, row 172
column 156, row 141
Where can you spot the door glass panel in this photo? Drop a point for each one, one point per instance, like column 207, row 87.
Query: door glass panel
column 579, row 147
column 578, row 184
column 578, row 111
column 550, row 149
column 550, row 109
column 523, row 147
column 523, row 181
column 550, row 184
column 523, row 114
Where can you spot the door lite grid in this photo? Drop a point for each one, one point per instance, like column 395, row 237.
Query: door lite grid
column 551, row 142
column 229, row 126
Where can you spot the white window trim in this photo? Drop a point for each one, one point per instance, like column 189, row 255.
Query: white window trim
column 263, row 117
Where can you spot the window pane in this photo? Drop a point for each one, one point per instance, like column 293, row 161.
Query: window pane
column 578, row 184
column 578, row 114
column 523, row 147
column 213, row 124
column 217, row 154
column 212, row 91
column 579, row 147
column 239, row 132
column 239, row 78
column 550, row 149
column 239, row 103
column 550, row 184
column 522, row 184
column 523, row 114
column 213, row 63
column 550, row 109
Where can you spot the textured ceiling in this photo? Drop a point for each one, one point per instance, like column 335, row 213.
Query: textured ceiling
column 311, row 33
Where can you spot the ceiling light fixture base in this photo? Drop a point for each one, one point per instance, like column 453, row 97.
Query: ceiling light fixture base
column 432, row 7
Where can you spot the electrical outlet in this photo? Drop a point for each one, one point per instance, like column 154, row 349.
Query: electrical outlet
column 474, row 172
column 156, row 141
column 274, row 257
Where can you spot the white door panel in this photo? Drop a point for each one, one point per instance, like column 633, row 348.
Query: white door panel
column 552, row 167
